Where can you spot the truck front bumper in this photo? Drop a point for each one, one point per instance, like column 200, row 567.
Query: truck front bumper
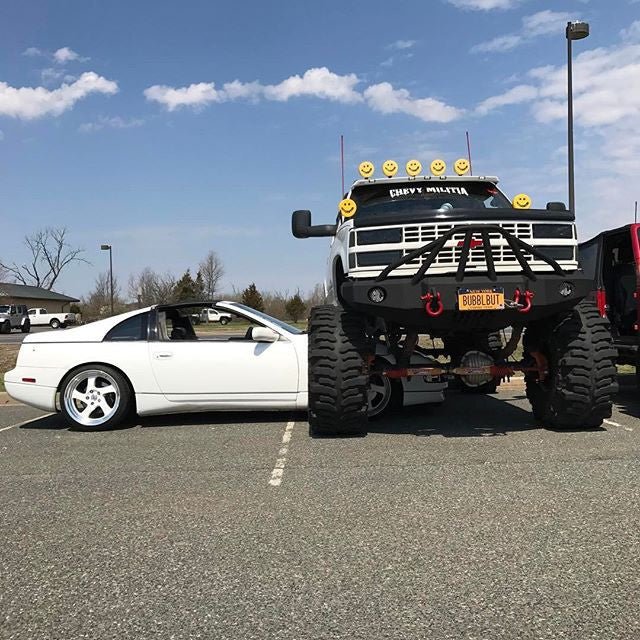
column 402, row 304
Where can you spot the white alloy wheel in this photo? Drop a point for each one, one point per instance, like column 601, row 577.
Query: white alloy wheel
column 380, row 393
column 92, row 398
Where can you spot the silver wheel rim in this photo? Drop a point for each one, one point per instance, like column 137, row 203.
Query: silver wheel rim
column 91, row 398
column 379, row 394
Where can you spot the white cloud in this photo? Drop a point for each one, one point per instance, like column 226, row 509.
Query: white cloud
column 516, row 95
column 385, row 99
column 632, row 32
column 65, row 54
column 542, row 23
column 29, row 103
column 497, row 45
column 195, row 95
column 115, row 122
column 50, row 75
column 607, row 118
column 546, row 22
column 318, row 83
column 485, row 5
column 32, row 52
column 400, row 45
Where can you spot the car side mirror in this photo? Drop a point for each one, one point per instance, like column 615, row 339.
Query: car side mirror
column 556, row 206
column 302, row 228
column 264, row 334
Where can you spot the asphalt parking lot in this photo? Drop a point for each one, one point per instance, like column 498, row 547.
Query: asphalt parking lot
column 16, row 337
column 460, row 521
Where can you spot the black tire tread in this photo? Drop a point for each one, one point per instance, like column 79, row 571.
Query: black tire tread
column 582, row 359
column 338, row 381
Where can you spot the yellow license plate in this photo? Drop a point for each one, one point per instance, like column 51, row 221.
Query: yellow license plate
column 481, row 299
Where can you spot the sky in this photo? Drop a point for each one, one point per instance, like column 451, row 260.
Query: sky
column 169, row 129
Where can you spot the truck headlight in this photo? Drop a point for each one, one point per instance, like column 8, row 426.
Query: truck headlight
column 557, row 253
column 553, row 231
column 378, row 258
column 379, row 236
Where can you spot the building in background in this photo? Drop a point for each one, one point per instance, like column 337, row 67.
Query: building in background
column 34, row 297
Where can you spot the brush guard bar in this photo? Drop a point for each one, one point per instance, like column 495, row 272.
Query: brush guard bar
column 431, row 250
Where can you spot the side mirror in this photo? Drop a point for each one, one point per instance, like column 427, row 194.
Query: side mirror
column 302, row 228
column 556, row 206
column 264, row 334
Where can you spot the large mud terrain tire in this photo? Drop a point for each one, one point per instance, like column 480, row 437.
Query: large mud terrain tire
column 338, row 382
column 581, row 384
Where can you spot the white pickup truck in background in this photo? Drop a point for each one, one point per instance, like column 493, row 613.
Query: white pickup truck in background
column 40, row 317
column 213, row 315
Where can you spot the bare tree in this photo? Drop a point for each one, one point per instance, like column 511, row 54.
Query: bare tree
column 98, row 302
column 316, row 296
column 50, row 254
column 5, row 276
column 149, row 287
column 212, row 271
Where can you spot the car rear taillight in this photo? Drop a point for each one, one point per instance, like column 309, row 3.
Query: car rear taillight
column 28, row 379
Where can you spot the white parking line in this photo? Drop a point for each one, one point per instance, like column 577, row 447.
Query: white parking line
column 278, row 469
column 21, row 424
column 612, row 423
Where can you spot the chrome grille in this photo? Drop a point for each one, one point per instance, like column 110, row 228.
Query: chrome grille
column 428, row 232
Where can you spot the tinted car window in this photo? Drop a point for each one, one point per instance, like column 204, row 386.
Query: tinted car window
column 588, row 259
column 133, row 328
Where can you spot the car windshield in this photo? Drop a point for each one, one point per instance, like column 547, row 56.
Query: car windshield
column 264, row 316
column 420, row 197
column 4, row 308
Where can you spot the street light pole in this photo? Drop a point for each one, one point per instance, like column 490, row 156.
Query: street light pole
column 106, row 247
column 574, row 31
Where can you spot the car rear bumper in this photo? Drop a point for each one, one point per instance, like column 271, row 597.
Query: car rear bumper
column 403, row 305
column 34, row 394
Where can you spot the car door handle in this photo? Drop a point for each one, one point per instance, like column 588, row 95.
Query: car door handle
column 163, row 355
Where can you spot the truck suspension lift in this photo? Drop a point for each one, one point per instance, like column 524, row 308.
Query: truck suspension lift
column 495, row 371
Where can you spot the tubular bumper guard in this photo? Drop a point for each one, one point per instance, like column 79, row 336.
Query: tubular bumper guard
column 539, row 295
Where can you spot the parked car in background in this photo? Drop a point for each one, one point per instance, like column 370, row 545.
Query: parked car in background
column 214, row 315
column 40, row 317
column 14, row 316
column 151, row 361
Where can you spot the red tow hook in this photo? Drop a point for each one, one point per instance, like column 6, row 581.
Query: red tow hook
column 433, row 303
column 528, row 297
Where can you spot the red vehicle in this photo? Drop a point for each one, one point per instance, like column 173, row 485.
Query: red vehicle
column 612, row 258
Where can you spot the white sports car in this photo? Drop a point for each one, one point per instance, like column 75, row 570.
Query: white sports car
column 151, row 361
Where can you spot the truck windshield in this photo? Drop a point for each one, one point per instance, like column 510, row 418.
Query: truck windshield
column 4, row 308
column 418, row 197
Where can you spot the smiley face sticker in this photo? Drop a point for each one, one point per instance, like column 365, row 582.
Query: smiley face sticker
column 390, row 168
column 521, row 201
column 413, row 168
column 438, row 167
column 366, row 169
column 461, row 166
column 347, row 208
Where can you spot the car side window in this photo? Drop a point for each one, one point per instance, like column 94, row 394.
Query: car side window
column 133, row 328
